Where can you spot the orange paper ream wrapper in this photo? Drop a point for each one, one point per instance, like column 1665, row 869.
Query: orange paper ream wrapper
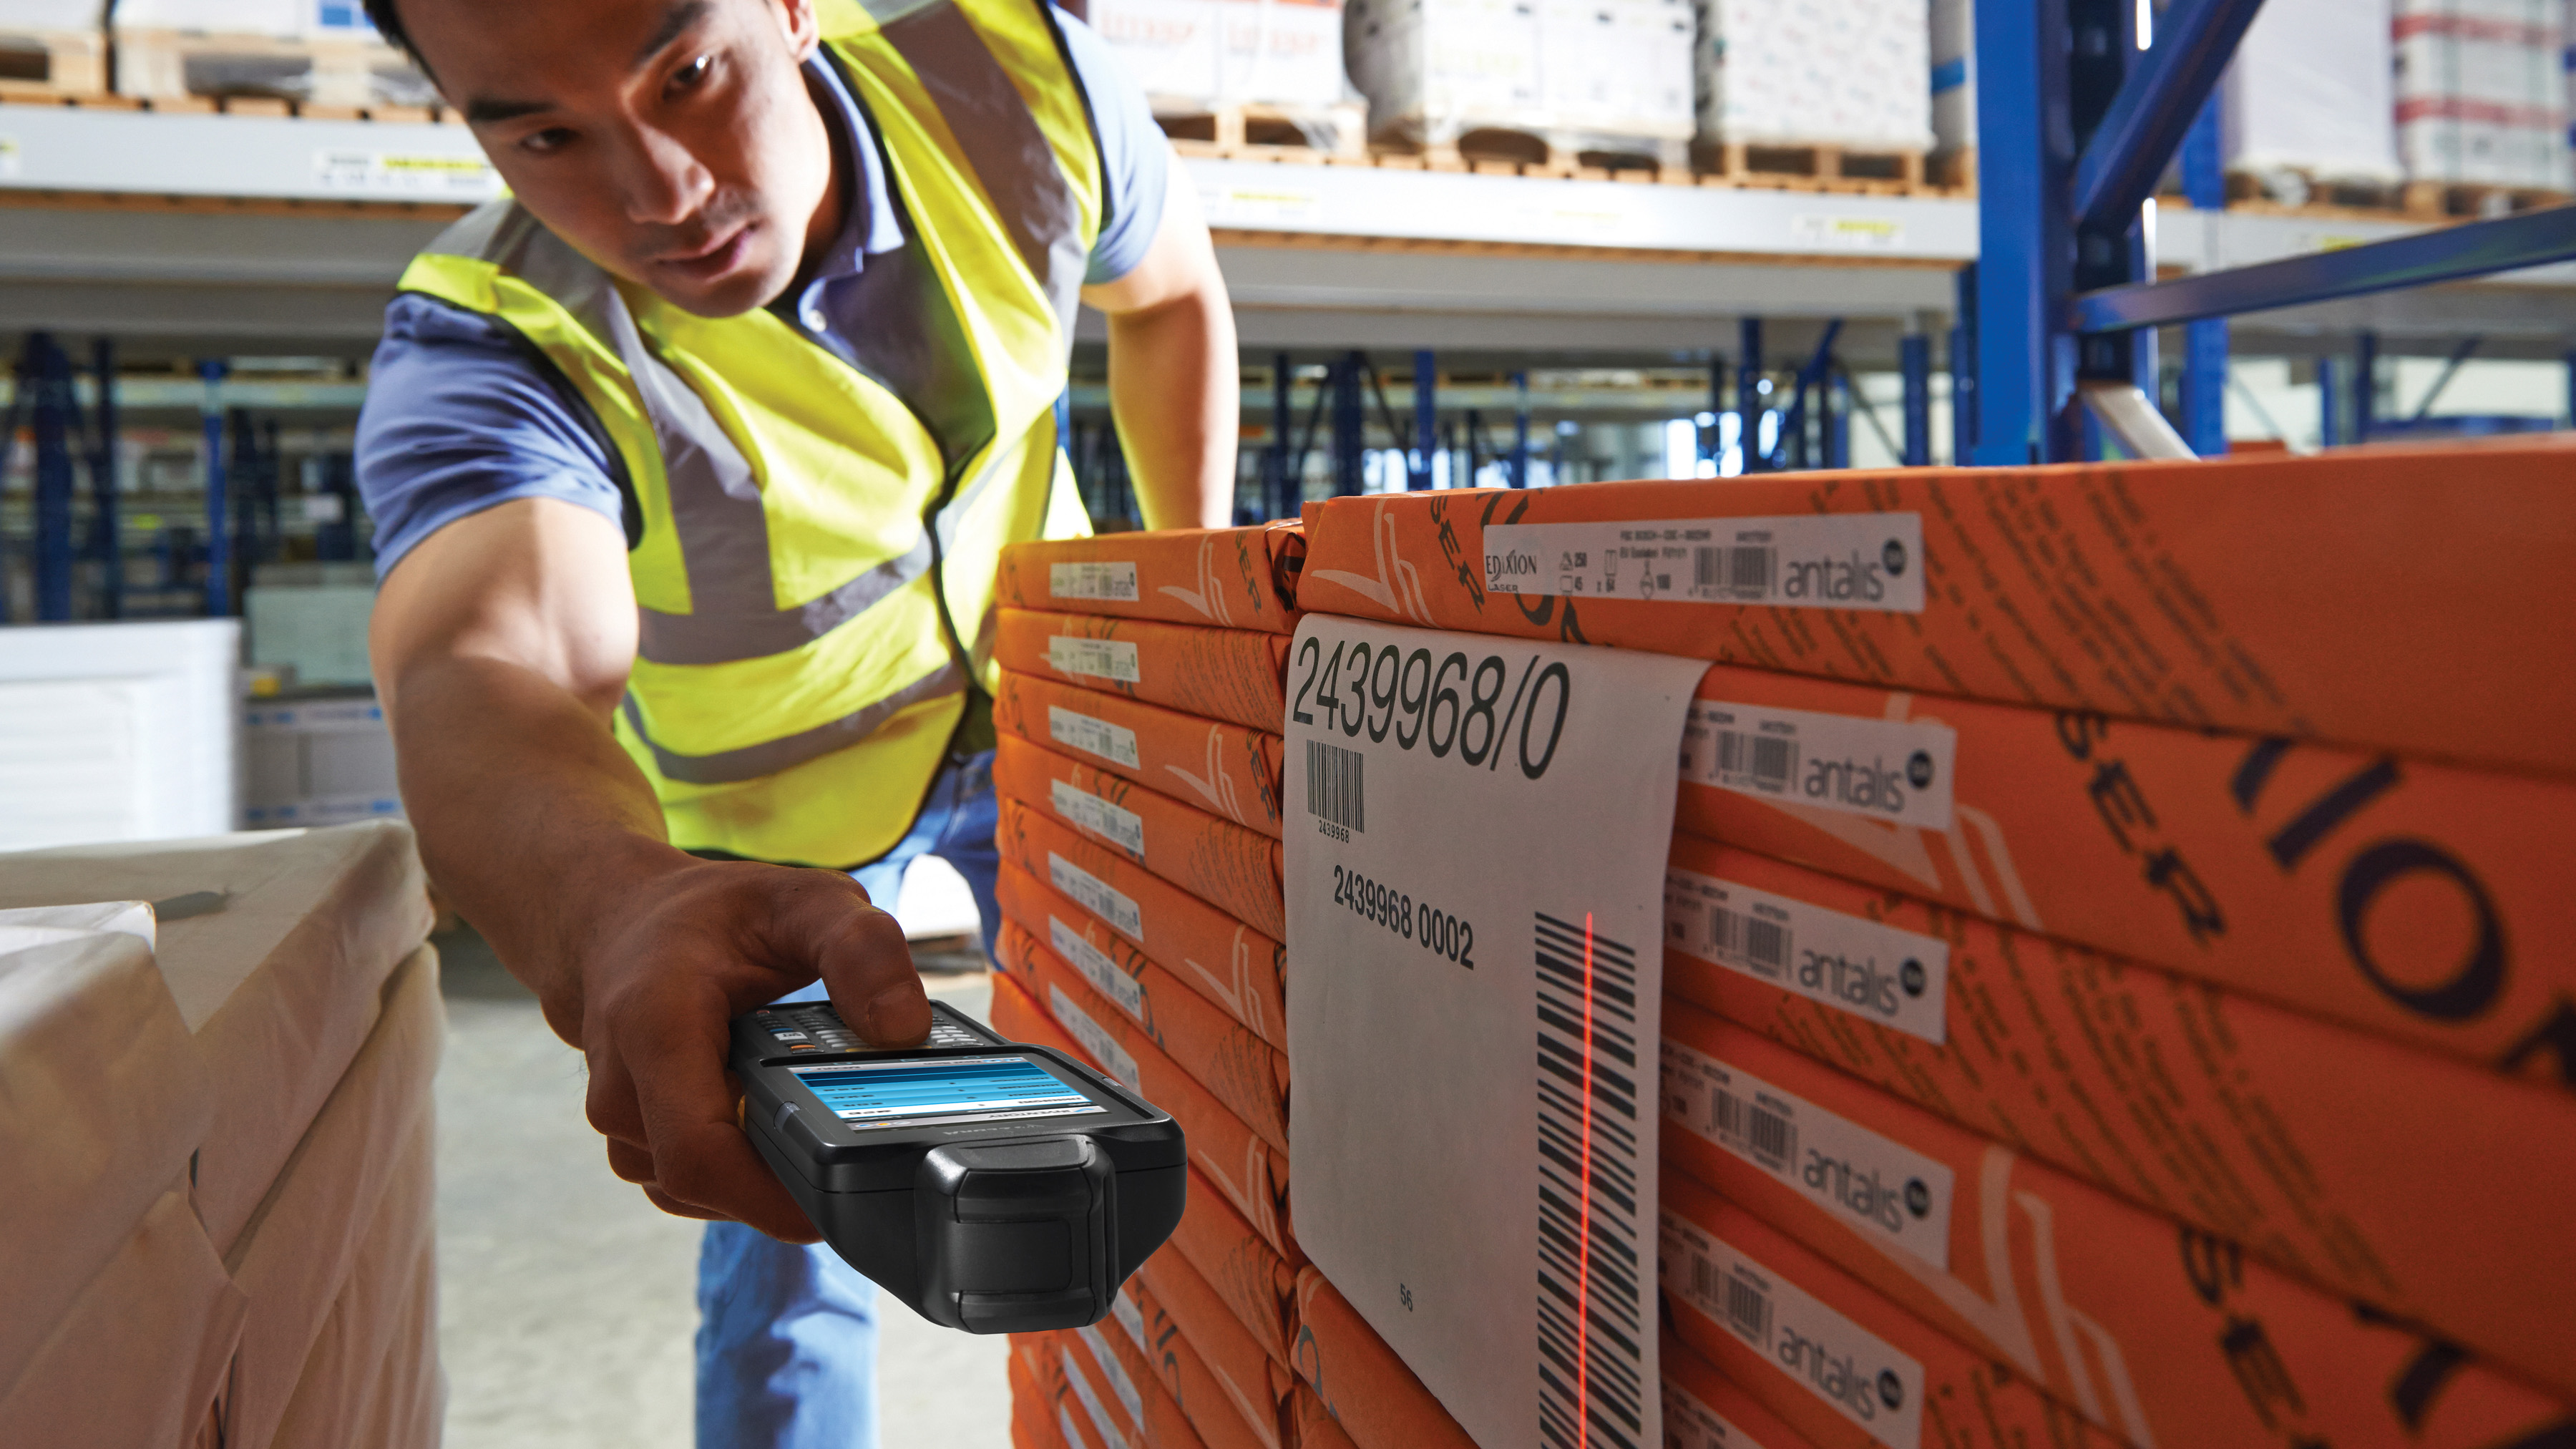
column 1244, row 974
column 1136, row 1396
column 1316, row 1428
column 2415, row 900
column 1033, row 1423
column 2387, row 597
column 1252, row 1174
column 1231, row 578
column 1230, row 866
column 1151, row 1347
column 1836, row 1360
column 1233, row 964
column 1704, row 1409
column 1369, row 1391
column 1221, row 768
column 2424, row 1185
column 1227, row 674
column 1211, row 1358
column 2172, row 1319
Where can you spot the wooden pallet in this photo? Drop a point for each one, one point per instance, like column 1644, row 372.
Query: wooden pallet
column 350, row 75
column 1955, row 168
column 2291, row 191
column 1511, row 151
column 2461, row 201
column 53, row 64
column 1894, row 172
column 1248, row 131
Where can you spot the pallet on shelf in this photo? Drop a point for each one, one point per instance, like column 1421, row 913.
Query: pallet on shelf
column 51, row 64
column 169, row 65
column 1955, row 168
column 1253, row 131
column 2297, row 190
column 2470, row 200
column 1791, row 166
column 1516, row 151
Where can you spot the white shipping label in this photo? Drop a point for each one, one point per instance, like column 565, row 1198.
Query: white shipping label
column 1876, row 972
column 1114, row 743
column 1892, row 770
column 1110, row 1434
column 1468, row 876
column 1862, row 1375
column 1114, row 1373
column 1865, row 1181
column 1126, row 991
column 1087, row 812
column 1131, row 1317
column 1087, row 1033
column 1814, row 560
column 1113, row 659
column 1690, row 1424
column 1113, row 583
column 1095, row 895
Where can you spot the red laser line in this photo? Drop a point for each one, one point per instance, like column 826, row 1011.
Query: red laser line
column 1583, row 1275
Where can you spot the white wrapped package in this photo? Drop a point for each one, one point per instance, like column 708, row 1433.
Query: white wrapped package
column 2310, row 93
column 365, row 1157
column 28, row 17
column 1189, row 54
column 1849, row 73
column 1432, row 69
column 101, row 1101
column 2481, row 92
column 373, row 1377
column 1618, row 67
column 138, row 1356
column 278, row 987
column 284, row 19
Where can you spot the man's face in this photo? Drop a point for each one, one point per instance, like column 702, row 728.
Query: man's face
column 671, row 141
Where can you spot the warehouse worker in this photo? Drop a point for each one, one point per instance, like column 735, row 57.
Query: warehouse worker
column 691, row 467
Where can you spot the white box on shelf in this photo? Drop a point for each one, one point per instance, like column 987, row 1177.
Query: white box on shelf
column 320, row 631
column 1618, row 67
column 2481, row 92
column 1434, row 69
column 2311, row 94
column 1855, row 74
column 319, row 52
column 1197, row 54
column 114, row 732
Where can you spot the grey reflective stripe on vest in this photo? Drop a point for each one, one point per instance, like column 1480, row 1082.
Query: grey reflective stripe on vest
column 751, row 762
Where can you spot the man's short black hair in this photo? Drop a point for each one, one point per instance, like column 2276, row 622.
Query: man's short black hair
column 388, row 23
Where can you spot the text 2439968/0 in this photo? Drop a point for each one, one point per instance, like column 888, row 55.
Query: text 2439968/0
column 1445, row 703
column 1451, row 938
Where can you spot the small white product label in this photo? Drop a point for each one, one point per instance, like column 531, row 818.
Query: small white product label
column 1113, row 659
column 1110, row 1433
column 1115, row 1372
column 1860, row 1374
column 1104, row 1048
column 1096, row 967
column 1131, row 1317
column 1114, row 743
column 1876, row 972
column 1847, row 233
column 1813, row 561
column 1690, row 1424
column 388, row 173
column 1094, row 895
column 1862, row 1179
column 1089, row 813
column 1892, row 770
column 1111, row 583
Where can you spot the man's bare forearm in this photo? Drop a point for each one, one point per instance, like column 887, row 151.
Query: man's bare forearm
column 1175, row 392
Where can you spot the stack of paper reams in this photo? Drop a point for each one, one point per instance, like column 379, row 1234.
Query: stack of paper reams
column 1139, row 774
column 2156, row 1031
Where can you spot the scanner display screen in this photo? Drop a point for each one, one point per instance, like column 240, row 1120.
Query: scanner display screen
column 868, row 1095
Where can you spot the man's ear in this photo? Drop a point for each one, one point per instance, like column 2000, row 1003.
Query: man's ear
column 797, row 21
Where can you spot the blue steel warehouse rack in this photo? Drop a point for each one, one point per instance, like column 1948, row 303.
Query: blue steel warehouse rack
column 2076, row 122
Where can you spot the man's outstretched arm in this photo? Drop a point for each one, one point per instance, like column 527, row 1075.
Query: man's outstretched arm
column 501, row 645
column 1174, row 383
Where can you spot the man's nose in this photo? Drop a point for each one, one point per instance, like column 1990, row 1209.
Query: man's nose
column 665, row 184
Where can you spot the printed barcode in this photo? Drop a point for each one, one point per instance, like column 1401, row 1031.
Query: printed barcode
column 1770, row 1137
column 1333, row 792
column 1591, row 1310
column 1740, row 571
column 1767, row 761
column 1748, row 1309
column 1749, row 939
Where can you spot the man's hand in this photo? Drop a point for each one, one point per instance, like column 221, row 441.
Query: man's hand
column 704, row 943
column 501, row 643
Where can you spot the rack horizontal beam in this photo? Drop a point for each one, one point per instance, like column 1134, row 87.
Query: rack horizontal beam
column 2478, row 249
column 2156, row 106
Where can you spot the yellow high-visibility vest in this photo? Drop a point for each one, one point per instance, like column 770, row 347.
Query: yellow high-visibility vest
column 815, row 569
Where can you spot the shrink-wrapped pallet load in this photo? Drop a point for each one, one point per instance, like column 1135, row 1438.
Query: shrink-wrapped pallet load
column 1846, row 75
column 53, row 47
column 2482, row 94
column 1542, row 81
column 2309, row 106
column 1281, row 59
column 311, row 52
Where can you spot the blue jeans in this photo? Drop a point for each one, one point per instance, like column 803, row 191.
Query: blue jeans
column 787, row 1333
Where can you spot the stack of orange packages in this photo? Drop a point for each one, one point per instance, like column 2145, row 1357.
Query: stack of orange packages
column 1138, row 768
column 2120, row 959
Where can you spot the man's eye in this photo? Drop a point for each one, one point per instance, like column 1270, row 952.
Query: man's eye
column 689, row 76
column 551, row 139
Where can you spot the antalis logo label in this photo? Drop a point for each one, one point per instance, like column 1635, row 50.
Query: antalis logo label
column 1870, row 561
column 1893, row 770
column 1879, row 973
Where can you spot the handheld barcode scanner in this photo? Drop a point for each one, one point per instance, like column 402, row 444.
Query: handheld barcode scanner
column 997, row 1187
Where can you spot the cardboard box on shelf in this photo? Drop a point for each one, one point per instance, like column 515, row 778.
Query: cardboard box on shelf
column 1226, row 578
column 1833, row 1358
column 2389, row 1174
column 1246, row 982
column 2414, row 900
column 1704, row 1409
column 1247, row 1075
column 1228, row 674
column 1366, row 1388
column 1221, row 768
column 1229, row 1155
column 1961, row 1231
column 1212, row 1363
column 1227, row 865
column 2270, row 594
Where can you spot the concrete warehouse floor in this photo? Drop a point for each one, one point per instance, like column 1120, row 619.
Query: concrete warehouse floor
column 567, row 1303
